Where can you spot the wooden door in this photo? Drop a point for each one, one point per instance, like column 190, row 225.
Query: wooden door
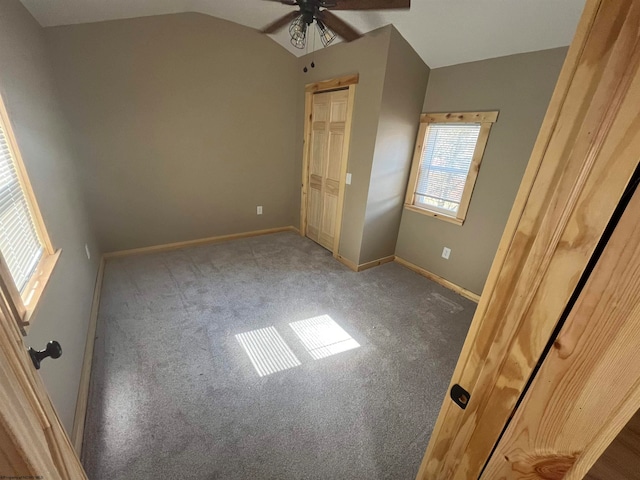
column 588, row 385
column 33, row 443
column 328, row 131
column 585, row 155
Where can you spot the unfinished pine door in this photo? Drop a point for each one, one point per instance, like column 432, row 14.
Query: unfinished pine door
column 328, row 129
column 588, row 385
column 33, row 443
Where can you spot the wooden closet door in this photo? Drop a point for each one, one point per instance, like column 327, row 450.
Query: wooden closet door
column 317, row 163
column 329, row 116
column 33, row 443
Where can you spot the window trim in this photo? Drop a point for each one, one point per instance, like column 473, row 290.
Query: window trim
column 486, row 120
column 22, row 306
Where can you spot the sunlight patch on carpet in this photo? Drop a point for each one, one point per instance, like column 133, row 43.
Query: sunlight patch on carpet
column 323, row 337
column 267, row 351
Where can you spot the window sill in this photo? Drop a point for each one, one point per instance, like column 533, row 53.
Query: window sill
column 35, row 288
column 429, row 213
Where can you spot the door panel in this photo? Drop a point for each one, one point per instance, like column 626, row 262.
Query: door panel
column 339, row 106
column 33, row 442
column 319, row 124
column 329, row 217
column 314, row 217
column 319, row 137
column 318, row 149
column 18, row 416
column 585, row 154
column 565, row 422
column 336, row 140
column 329, row 116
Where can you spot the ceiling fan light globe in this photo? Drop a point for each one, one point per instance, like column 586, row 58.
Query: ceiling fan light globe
column 298, row 41
column 326, row 36
column 298, row 32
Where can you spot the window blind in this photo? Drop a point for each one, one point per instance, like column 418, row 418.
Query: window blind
column 444, row 166
column 19, row 241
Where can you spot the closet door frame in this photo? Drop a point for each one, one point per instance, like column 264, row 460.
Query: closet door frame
column 347, row 82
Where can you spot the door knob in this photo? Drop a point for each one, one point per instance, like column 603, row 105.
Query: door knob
column 53, row 350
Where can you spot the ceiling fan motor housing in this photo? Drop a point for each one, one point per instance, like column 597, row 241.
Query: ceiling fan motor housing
column 308, row 9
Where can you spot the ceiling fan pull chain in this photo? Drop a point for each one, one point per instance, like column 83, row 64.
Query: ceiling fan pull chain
column 313, row 65
column 305, row 69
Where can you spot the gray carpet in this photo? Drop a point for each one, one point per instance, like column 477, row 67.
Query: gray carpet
column 175, row 395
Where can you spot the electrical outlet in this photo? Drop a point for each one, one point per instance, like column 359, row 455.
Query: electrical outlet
column 259, row 209
column 446, row 252
column 348, row 180
column 86, row 249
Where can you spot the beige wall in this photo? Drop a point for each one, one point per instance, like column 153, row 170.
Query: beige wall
column 42, row 134
column 403, row 92
column 185, row 124
column 368, row 57
column 520, row 86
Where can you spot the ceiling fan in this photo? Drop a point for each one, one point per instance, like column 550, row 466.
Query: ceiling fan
column 329, row 25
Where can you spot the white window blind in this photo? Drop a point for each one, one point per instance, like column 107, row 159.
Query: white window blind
column 19, row 242
column 444, row 166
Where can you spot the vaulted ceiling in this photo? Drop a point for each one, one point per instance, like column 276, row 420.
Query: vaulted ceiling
column 443, row 32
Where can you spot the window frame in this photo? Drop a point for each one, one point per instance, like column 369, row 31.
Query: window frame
column 486, row 121
column 21, row 306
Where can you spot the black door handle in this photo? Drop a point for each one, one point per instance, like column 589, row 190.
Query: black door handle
column 460, row 396
column 53, row 350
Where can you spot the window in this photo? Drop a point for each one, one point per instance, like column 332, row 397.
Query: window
column 27, row 257
column 446, row 162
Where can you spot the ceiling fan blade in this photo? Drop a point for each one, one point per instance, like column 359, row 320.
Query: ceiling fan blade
column 368, row 4
column 346, row 31
column 284, row 2
column 281, row 22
